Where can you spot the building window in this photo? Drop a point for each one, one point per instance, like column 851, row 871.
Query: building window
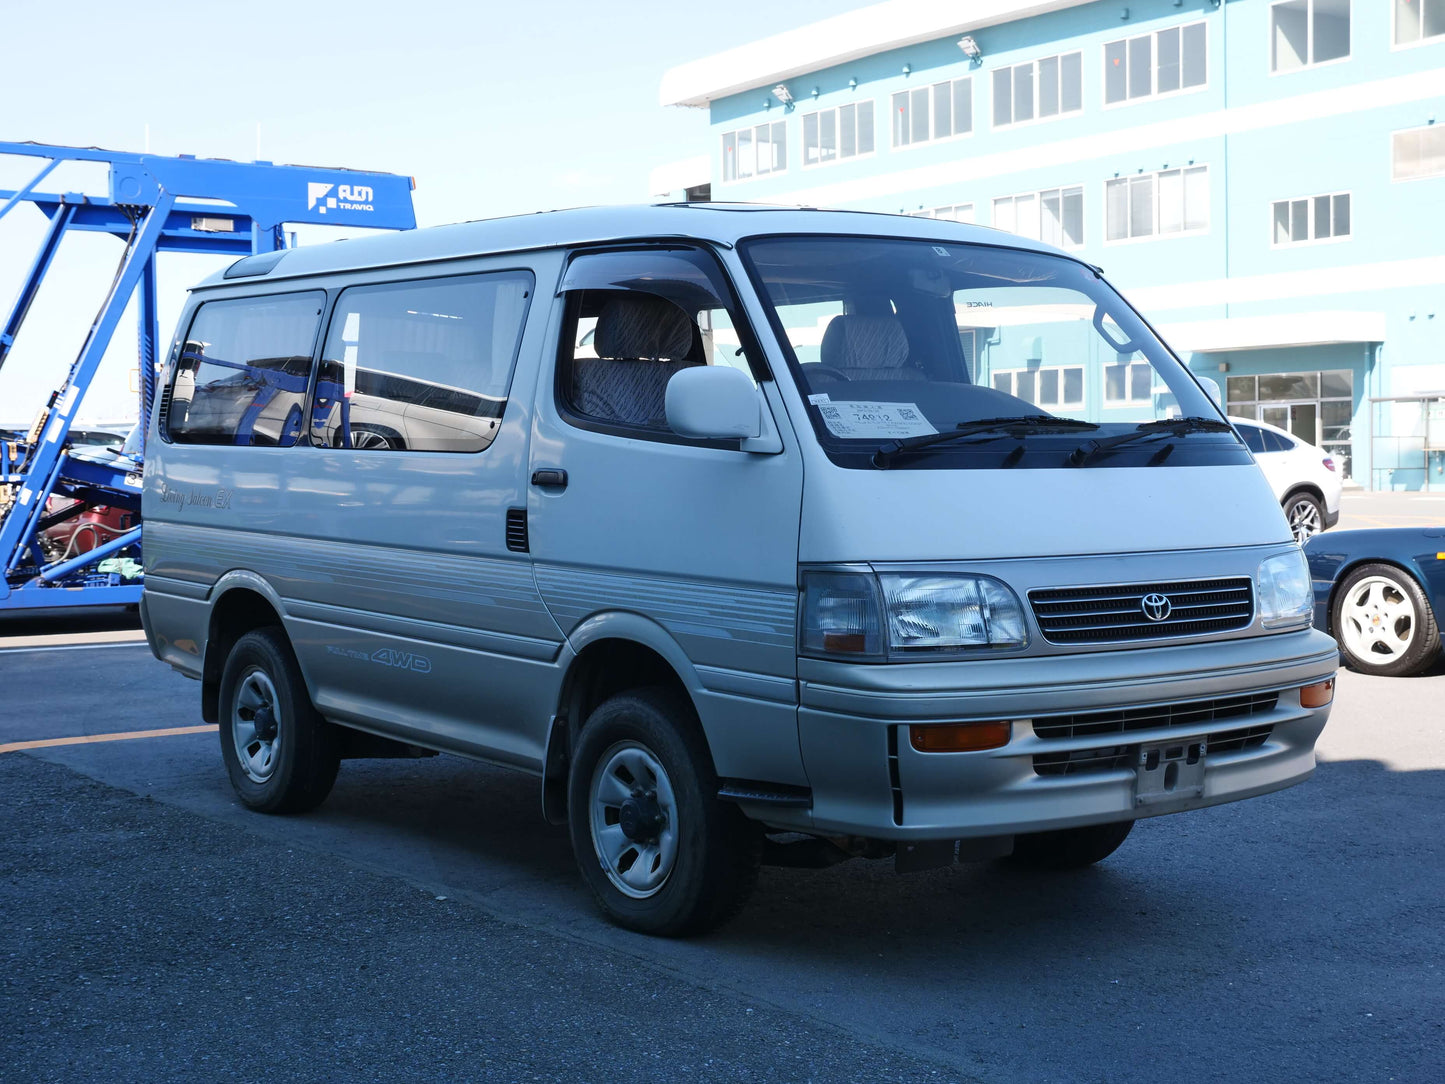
column 1160, row 63
column 1314, row 218
column 1038, row 89
column 936, row 112
column 1055, row 215
column 1127, row 382
column 831, row 134
column 958, row 212
column 1418, row 20
column 1305, row 32
column 1171, row 201
column 1418, row 152
column 1055, row 386
column 752, row 152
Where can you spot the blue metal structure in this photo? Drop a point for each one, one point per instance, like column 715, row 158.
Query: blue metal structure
column 156, row 204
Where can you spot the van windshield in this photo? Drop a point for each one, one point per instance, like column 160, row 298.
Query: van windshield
column 913, row 348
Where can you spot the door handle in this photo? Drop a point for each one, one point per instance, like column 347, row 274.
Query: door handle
column 551, row 477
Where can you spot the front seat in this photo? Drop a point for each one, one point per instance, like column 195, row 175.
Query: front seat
column 641, row 341
column 867, row 348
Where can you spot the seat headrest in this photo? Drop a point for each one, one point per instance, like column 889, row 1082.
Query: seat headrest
column 643, row 326
column 854, row 341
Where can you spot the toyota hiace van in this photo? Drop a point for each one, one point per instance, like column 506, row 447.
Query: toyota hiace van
column 752, row 533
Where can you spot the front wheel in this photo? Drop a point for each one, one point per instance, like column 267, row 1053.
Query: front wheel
column 282, row 757
column 659, row 851
column 1383, row 622
column 1069, row 848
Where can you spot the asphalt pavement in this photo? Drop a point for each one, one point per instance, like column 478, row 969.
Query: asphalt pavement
column 425, row 924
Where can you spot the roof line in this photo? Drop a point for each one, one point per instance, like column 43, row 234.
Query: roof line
column 837, row 40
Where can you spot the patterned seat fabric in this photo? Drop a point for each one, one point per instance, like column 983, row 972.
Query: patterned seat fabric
column 867, row 348
column 641, row 341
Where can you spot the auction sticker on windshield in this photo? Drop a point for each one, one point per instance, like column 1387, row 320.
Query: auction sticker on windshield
column 864, row 421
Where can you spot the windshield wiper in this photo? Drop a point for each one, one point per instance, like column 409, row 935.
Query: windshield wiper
column 1017, row 427
column 1162, row 428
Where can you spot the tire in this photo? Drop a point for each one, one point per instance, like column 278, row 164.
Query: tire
column 1069, row 848
column 676, row 861
column 1383, row 622
column 291, row 771
column 1306, row 516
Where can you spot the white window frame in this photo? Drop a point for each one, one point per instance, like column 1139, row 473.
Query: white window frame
column 1309, row 65
column 838, row 130
column 1312, row 239
column 1062, row 404
column 1156, row 234
column 1038, row 198
column 1128, row 400
column 1394, row 177
column 932, row 140
column 1154, row 91
column 953, row 210
column 1036, row 118
column 752, row 130
column 1395, row 43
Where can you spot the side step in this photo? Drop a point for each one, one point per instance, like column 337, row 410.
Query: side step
column 778, row 794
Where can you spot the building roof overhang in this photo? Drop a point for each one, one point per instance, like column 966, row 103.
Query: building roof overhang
column 1274, row 332
column 837, row 40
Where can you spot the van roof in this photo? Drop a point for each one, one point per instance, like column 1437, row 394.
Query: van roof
column 723, row 223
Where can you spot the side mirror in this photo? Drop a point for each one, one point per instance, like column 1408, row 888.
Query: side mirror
column 713, row 402
column 1212, row 387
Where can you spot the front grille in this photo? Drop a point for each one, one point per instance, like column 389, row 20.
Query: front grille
column 1088, row 615
column 1114, row 757
column 1192, row 713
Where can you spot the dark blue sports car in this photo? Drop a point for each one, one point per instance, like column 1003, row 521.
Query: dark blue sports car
column 1380, row 594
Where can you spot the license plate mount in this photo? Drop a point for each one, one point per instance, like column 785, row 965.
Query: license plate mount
column 1170, row 771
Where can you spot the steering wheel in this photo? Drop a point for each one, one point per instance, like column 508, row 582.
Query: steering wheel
column 827, row 370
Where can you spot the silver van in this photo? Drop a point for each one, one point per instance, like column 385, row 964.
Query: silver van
column 755, row 534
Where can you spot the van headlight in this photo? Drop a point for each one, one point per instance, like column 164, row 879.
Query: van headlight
column 862, row 616
column 1286, row 597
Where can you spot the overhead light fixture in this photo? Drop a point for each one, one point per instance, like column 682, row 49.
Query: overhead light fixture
column 970, row 48
column 783, row 94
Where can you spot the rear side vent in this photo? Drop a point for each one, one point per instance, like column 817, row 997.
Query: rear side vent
column 517, row 530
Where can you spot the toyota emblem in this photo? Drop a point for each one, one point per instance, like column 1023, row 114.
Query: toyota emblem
column 1156, row 607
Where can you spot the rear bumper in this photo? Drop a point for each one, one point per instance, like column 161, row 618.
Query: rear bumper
column 867, row 779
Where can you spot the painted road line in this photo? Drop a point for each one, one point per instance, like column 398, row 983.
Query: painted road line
column 88, row 739
column 67, row 647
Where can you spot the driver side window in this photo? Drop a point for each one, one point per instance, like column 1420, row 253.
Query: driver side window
column 634, row 319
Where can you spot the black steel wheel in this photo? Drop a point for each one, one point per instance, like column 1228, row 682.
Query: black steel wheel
column 282, row 757
column 661, row 854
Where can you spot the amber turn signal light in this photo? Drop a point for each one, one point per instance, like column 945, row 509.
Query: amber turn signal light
column 1317, row 696
column 959, row 737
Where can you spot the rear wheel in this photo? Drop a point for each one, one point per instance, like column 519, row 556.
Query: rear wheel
column 1069, row 848
column 282, row 757
column 1383, row 622
column 658, row 850
column 1305, row 514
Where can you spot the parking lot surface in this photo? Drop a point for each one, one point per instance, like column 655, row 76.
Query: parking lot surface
column 425, row 924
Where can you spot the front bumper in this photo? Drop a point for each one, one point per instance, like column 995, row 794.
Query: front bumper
column 867, row 780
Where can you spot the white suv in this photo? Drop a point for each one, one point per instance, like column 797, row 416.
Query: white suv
column 1304, row 478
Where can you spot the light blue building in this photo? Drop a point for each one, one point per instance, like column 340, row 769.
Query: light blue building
column 1265, row 179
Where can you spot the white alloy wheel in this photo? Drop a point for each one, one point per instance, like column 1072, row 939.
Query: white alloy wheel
column 1377, row 621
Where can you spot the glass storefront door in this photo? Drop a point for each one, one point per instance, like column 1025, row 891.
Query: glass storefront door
column 1314, row 406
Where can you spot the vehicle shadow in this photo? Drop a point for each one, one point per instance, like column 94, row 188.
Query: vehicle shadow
column 1263, row 933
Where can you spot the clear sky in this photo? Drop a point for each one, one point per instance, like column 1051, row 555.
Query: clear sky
column 494, row 108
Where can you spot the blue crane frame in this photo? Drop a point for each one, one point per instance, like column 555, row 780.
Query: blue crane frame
column 156, row 204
